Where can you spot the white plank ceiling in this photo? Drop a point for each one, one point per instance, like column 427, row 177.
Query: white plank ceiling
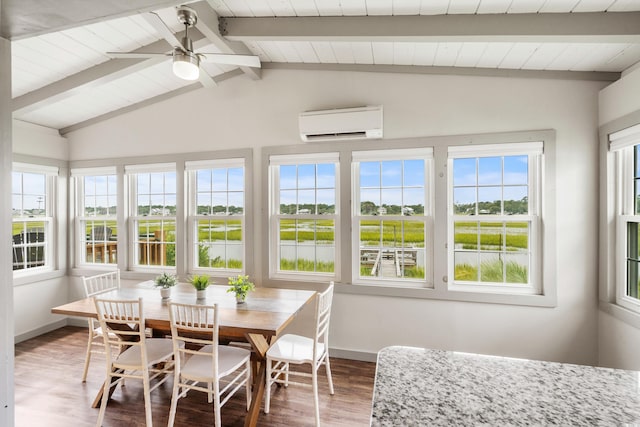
column 66, row 80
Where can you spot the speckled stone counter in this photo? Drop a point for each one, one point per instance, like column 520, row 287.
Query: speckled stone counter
column 421, row 387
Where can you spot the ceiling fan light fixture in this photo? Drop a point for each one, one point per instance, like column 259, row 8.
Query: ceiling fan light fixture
column 186, row 65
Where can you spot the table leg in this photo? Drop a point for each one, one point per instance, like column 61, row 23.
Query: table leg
column 260, row 347
column 98, row 399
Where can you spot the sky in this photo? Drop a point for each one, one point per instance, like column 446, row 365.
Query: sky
column 490, row 179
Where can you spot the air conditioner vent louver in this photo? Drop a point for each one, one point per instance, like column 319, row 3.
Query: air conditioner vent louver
column 341, row 124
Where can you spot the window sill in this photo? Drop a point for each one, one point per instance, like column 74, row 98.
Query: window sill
column 424, row 293
column 622, row 314
column 449, row 295
column 27, row 279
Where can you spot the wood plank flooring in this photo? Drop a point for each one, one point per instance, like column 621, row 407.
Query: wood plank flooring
column 48, row 392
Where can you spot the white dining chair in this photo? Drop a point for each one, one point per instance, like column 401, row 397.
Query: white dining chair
column 297, row 349
column 140, row 357
column 201, row 363
column 95, row 285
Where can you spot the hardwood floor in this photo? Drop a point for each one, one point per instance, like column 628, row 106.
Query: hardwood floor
column 49, row 392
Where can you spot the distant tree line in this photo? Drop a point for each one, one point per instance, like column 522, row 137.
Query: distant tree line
column 513, row 207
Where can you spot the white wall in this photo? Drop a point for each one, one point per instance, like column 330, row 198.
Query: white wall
column 618, row 342
column 33, row 300
column 245, row 113
column 40, row 141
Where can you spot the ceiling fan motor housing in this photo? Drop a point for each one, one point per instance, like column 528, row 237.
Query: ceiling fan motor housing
column 187, row 16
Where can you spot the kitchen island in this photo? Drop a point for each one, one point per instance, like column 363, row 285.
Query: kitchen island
column 417, row 387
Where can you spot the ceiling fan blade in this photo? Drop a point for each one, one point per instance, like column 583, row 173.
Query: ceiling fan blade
column 162, row 29
column 128, row 55
column 230, row 59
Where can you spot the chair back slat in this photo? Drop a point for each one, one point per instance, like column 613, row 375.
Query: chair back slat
column 123, row 318
column 195, row 326
column 101, row 283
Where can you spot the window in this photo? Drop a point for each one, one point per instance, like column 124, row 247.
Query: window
column 626, row 146
column 463, row 217
column 493, row 213
column 153, row 214
column 97, row 226
column 217, row 212
column 32, row 212
column 304, row 215
column 392, row 216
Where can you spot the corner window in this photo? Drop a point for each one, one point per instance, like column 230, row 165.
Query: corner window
column 392, row 216
column 32, row 216
column 304, row 216
column 493, row 217
column 153, row 215
column 626, row 146
column 217, row 214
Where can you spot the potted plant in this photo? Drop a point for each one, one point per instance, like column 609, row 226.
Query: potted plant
column 200, row 283
column 165, row 282
column 240, row 285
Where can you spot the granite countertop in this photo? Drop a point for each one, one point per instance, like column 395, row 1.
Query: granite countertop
column 421, row 387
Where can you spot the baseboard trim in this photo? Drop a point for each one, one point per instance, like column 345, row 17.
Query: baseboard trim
column 75, row 321
column 41, row 330
column 361, row 356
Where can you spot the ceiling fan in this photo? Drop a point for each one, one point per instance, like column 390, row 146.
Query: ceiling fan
column 186, row 62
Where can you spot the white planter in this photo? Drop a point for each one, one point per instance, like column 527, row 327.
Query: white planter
column 201, row 294
column 165, row 293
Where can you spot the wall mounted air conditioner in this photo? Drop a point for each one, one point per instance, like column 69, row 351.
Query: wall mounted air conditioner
column 341, row 124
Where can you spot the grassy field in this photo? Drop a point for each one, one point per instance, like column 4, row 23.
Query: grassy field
column 492, row 272
column 514, row 236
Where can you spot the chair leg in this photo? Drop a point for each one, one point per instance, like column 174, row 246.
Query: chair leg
column 106, row 388
column 210, row 394
column 216, row 405
column 314, row 384
column 267, row 391
column 87, row 358
column 147, row 397
column 328, row 368
column 286, row 375
column 174, row 398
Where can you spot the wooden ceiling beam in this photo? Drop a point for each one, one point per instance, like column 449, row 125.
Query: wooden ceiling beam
column 595, row 27
column 208, row 24
column 95, row 76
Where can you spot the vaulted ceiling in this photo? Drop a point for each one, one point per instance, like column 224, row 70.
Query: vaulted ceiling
column 65, row 76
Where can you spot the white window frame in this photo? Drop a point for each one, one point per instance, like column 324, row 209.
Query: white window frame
column 50, row 207
column 192, row 167
column 424, row 154
column 534, row 152
column 132, row 172
column 275, row 216
column 81, row 219
column 439, row 289
column 621, row 146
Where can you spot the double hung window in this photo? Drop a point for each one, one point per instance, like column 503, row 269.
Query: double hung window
column 493, row 217
column 626, row 146
column 153, row 214
column 97, row 230
column 303, row 215
column 33, row 196
column 217, row 214
column 443, row 217
column 392, row 214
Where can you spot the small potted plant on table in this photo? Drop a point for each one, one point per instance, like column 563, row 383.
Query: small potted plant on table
column 165, row 282
column 200, row 283
column 240, row 285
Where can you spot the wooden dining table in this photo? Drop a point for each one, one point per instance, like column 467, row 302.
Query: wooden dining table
column 264, row 315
